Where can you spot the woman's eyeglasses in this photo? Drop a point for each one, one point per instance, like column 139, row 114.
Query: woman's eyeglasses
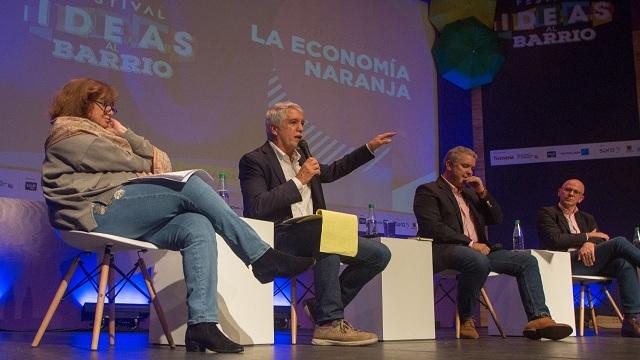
column 106, row 108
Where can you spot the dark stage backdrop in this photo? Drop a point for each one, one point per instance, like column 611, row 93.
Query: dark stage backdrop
column 564, row 106
column 454, row 118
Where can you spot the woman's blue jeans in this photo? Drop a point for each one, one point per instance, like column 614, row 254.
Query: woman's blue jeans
column 183, row 217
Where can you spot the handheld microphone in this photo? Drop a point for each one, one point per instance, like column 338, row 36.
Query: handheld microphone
column 304, row 150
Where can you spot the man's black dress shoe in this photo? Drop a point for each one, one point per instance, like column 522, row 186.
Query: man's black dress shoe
column 206, row 335
column 275, row 263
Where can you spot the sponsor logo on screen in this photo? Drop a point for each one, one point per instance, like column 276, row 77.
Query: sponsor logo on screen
column 6, row 184
column 30, row 185
column 503, row 157
column 126, row 36
column 533, row 23
column 20, row 184
column 526, row 156
column 608, row 150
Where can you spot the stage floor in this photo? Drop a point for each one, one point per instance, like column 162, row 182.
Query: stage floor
column 75, row 345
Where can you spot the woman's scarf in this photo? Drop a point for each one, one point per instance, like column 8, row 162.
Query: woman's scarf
column 65, row 127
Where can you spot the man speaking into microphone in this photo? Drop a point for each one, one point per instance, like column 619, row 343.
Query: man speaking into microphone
column 281, row 180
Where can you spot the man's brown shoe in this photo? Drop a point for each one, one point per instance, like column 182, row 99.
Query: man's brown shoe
column 630, row 327
column 341, row 333
column 468, row 330
column 545, row 327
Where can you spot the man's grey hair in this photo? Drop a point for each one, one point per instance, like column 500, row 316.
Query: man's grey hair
column 277, row 113
column 456, row 153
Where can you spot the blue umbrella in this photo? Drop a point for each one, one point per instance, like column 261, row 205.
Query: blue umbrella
column 467, row 53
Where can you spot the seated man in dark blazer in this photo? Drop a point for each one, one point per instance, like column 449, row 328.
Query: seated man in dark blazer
column 563, row 227
column 454, row 211
column 278, row 183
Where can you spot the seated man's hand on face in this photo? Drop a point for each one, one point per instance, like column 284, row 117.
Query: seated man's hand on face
column 475, row 183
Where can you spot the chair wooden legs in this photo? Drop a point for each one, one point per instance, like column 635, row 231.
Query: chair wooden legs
column 492, row 312
column 112, row 304
column 592, row 312
column 104, row 275
column 107, row 278
column 55, row 302
column 489, row 305
column 294, row 311
column 102, row 286
column 613, row 304
column 582, row 309
column 156, row 302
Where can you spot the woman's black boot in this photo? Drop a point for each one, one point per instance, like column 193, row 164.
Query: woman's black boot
column 206, row 335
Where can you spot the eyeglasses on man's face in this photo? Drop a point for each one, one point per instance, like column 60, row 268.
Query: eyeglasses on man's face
column 106, row 108
column 572, row 191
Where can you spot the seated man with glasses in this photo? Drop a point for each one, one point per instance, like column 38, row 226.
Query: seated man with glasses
column 564, row 227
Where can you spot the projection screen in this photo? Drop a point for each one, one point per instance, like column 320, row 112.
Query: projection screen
column 196, row 77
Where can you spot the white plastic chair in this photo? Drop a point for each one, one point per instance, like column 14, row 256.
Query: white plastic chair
column 584, row 281
column 107, row 245
column 486, row 301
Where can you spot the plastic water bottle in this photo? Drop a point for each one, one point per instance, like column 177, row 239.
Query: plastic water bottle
column 636, row 237
column 370, row 224
column 518, row 238
column 222, row 187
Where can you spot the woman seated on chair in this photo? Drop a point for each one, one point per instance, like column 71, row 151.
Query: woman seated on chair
column 89, row 156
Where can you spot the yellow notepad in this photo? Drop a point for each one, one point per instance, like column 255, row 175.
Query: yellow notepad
column 339, row 233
